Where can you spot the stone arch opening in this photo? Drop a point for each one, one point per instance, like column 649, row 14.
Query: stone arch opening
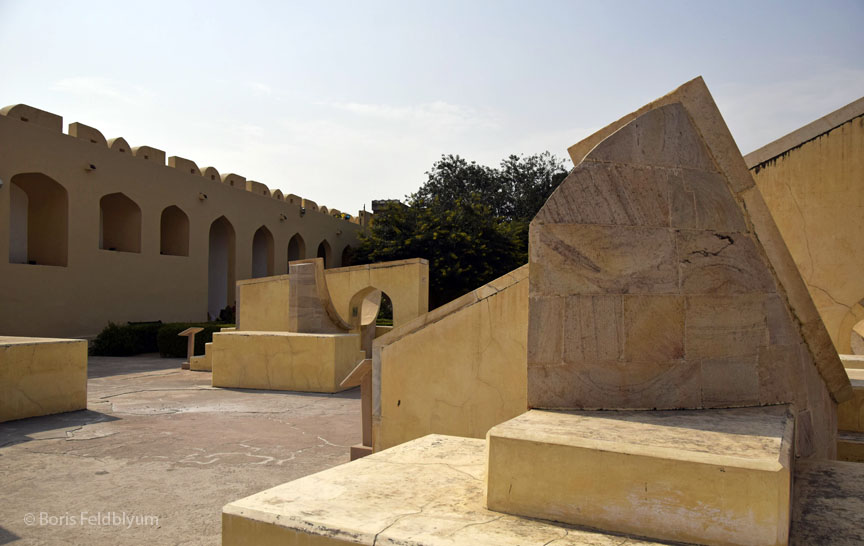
column 220, row 267
column 174, row 232
column 371, row 313
column 119, row 223
column 38, row 220
column 325, row 253
column 296, row 248
column 262, row 253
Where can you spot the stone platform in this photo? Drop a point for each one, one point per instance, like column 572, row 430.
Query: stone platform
column 702, row 476
column 283, row 360
column 425, row 492
column 41, row 376
column 429, row 492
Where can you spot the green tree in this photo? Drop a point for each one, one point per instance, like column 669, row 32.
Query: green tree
column 470, row 221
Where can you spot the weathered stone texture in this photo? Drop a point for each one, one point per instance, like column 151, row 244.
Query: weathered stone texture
column 649, row 473
column 595, row 259
column 700, row 201
column 653, row 328
column 670, row 282
column 720, row 263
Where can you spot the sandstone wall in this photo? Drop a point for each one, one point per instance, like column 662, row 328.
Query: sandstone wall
column 813, row 182
column 74, row 287
column 457, row 370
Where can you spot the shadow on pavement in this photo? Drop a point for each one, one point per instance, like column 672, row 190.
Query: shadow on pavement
column 48, row 426
column 104, row 366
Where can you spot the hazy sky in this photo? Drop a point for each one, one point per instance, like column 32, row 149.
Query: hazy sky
column 345, row 102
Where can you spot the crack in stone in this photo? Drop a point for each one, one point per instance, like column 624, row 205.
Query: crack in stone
column 447, row 465
column 832, row 298
column 566, row 533
column 803, row 224
column 460, row 529
column 399, row 518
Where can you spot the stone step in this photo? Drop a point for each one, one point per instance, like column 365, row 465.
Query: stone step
column 426, row 492
column 718, row 476
column 850, row 446
column 852, row 361
column 430, row 492
column 850, row 414
column 200, row 363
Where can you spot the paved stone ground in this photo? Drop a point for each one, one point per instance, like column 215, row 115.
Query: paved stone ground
column 159, row 441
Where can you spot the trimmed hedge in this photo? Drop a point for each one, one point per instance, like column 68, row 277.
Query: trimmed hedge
column 131, row 339
column 170, row 344
column 152, row 337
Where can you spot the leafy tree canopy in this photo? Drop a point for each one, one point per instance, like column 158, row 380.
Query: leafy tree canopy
column 470, row 221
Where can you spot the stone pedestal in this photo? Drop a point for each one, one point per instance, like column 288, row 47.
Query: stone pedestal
column 283, row 361
column 704, row 476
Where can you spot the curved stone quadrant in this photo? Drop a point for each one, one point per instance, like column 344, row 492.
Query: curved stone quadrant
column 657, row 282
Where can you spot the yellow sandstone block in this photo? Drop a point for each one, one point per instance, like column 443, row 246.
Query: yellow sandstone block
column 703, row 476
column 41, row 376
column 283, row 360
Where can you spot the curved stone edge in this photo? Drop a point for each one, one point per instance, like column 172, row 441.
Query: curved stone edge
column 697, row 100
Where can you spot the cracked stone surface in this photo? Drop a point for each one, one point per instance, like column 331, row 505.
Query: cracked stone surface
column 658, row 281
column 425, row 492
column 430, row 492
column 159, row 441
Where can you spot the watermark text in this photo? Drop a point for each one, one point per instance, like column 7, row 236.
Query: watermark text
column 126, row 520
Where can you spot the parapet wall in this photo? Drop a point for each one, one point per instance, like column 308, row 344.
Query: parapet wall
column 53, row 122
column 95, row 230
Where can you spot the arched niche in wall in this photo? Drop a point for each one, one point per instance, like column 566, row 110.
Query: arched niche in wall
column 38, row 220
column 347, row 256
column 119, row 223
column 326, row 253
column 262, row 253
column 220, row 267
column 296, row 248
column 174, row 232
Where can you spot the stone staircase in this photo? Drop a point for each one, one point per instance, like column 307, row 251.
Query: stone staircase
column 202, row 363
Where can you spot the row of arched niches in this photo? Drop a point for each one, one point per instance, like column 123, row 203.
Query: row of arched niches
column 39, row 220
